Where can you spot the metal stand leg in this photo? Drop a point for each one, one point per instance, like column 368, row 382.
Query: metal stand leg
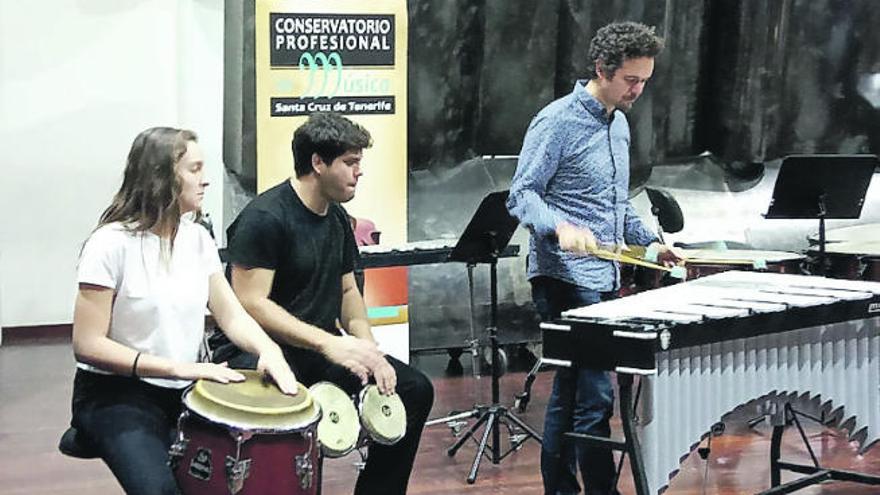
column 815, row 473
column 633, row 447
column 522, row 399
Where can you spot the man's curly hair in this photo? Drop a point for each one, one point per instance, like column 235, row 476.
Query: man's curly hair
column 619, row 41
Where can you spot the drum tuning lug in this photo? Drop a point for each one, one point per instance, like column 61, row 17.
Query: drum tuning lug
column 361, row 464
column 175, row 453
column 236, row 473
column 305, row 471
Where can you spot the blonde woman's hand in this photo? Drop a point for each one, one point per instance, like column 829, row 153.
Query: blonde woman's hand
column 208, row 371
column 275, row 366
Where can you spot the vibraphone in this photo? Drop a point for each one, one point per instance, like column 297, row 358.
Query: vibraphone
column 706, row 346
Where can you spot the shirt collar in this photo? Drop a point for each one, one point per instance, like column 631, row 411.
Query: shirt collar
column 594, row 106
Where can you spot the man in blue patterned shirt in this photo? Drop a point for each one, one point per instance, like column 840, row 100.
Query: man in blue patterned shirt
column 571, row 191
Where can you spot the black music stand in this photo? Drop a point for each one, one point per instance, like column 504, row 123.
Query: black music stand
column 484, row 239
column 822, row 187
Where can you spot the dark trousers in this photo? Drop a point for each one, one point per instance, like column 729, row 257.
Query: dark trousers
column 388, row 467
column 581, row 401
column 131, row 425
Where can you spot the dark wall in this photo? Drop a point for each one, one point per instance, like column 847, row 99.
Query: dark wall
column 748, row 81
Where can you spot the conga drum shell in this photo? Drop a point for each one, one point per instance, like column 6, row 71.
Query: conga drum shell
column 383, row 416
column 339, row 428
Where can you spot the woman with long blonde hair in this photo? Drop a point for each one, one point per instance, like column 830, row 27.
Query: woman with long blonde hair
column 146, row 275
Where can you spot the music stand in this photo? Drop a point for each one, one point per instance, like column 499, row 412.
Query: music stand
column 823, row 187
column 484, row 239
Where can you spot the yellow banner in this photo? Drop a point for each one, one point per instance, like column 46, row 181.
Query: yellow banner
column 347, row 56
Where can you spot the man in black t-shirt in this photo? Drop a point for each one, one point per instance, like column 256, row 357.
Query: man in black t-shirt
column 292, row 253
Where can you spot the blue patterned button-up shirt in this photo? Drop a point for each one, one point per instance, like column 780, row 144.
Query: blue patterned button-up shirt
column 574, row 167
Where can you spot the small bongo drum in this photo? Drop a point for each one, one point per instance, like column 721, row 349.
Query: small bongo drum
column 382, row 416
column 246, row 438
column 339, row 429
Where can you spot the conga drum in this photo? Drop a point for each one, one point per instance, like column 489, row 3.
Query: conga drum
column 246, row 438
column 382, row 416
column 854, row 260
column 339, row 428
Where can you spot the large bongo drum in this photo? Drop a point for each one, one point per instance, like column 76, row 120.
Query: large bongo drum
column 339, row 428
column 382, row 416
column 852, row 260
column 246, row 438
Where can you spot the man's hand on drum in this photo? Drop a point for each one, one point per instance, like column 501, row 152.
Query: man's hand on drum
column 275, row 366
column 359, row 356
column 208, row 371
column 668, row 255
column 575, row 239
column 386, row 377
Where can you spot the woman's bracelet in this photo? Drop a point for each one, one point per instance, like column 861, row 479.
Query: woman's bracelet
column 134, row 365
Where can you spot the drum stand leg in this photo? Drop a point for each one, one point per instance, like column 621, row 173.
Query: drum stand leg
column 815, row 473
column 494, row 415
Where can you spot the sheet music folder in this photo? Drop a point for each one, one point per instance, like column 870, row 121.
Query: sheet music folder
column 487, row 233
column 807, row 181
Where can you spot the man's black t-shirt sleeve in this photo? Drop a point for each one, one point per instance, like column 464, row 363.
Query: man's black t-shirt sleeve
column 349, row 248
column 256, row 240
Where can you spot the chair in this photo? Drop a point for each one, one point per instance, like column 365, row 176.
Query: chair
column 72, row 444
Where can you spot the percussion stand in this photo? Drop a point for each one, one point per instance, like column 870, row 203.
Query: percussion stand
column 483, row 241
column 494, row 414
column 815, row 472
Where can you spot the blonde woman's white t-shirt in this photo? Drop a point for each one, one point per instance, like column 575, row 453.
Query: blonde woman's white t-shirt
column 159, row 306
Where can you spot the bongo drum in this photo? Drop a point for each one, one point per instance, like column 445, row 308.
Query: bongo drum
column 382, row 416
column 246, row 438
column 339, row 429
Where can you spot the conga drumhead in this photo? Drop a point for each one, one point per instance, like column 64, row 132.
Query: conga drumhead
column 254, row 404
column 339, row 429
column 383, row 416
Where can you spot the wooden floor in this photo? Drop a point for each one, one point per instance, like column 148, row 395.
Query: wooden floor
column 35, row 382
